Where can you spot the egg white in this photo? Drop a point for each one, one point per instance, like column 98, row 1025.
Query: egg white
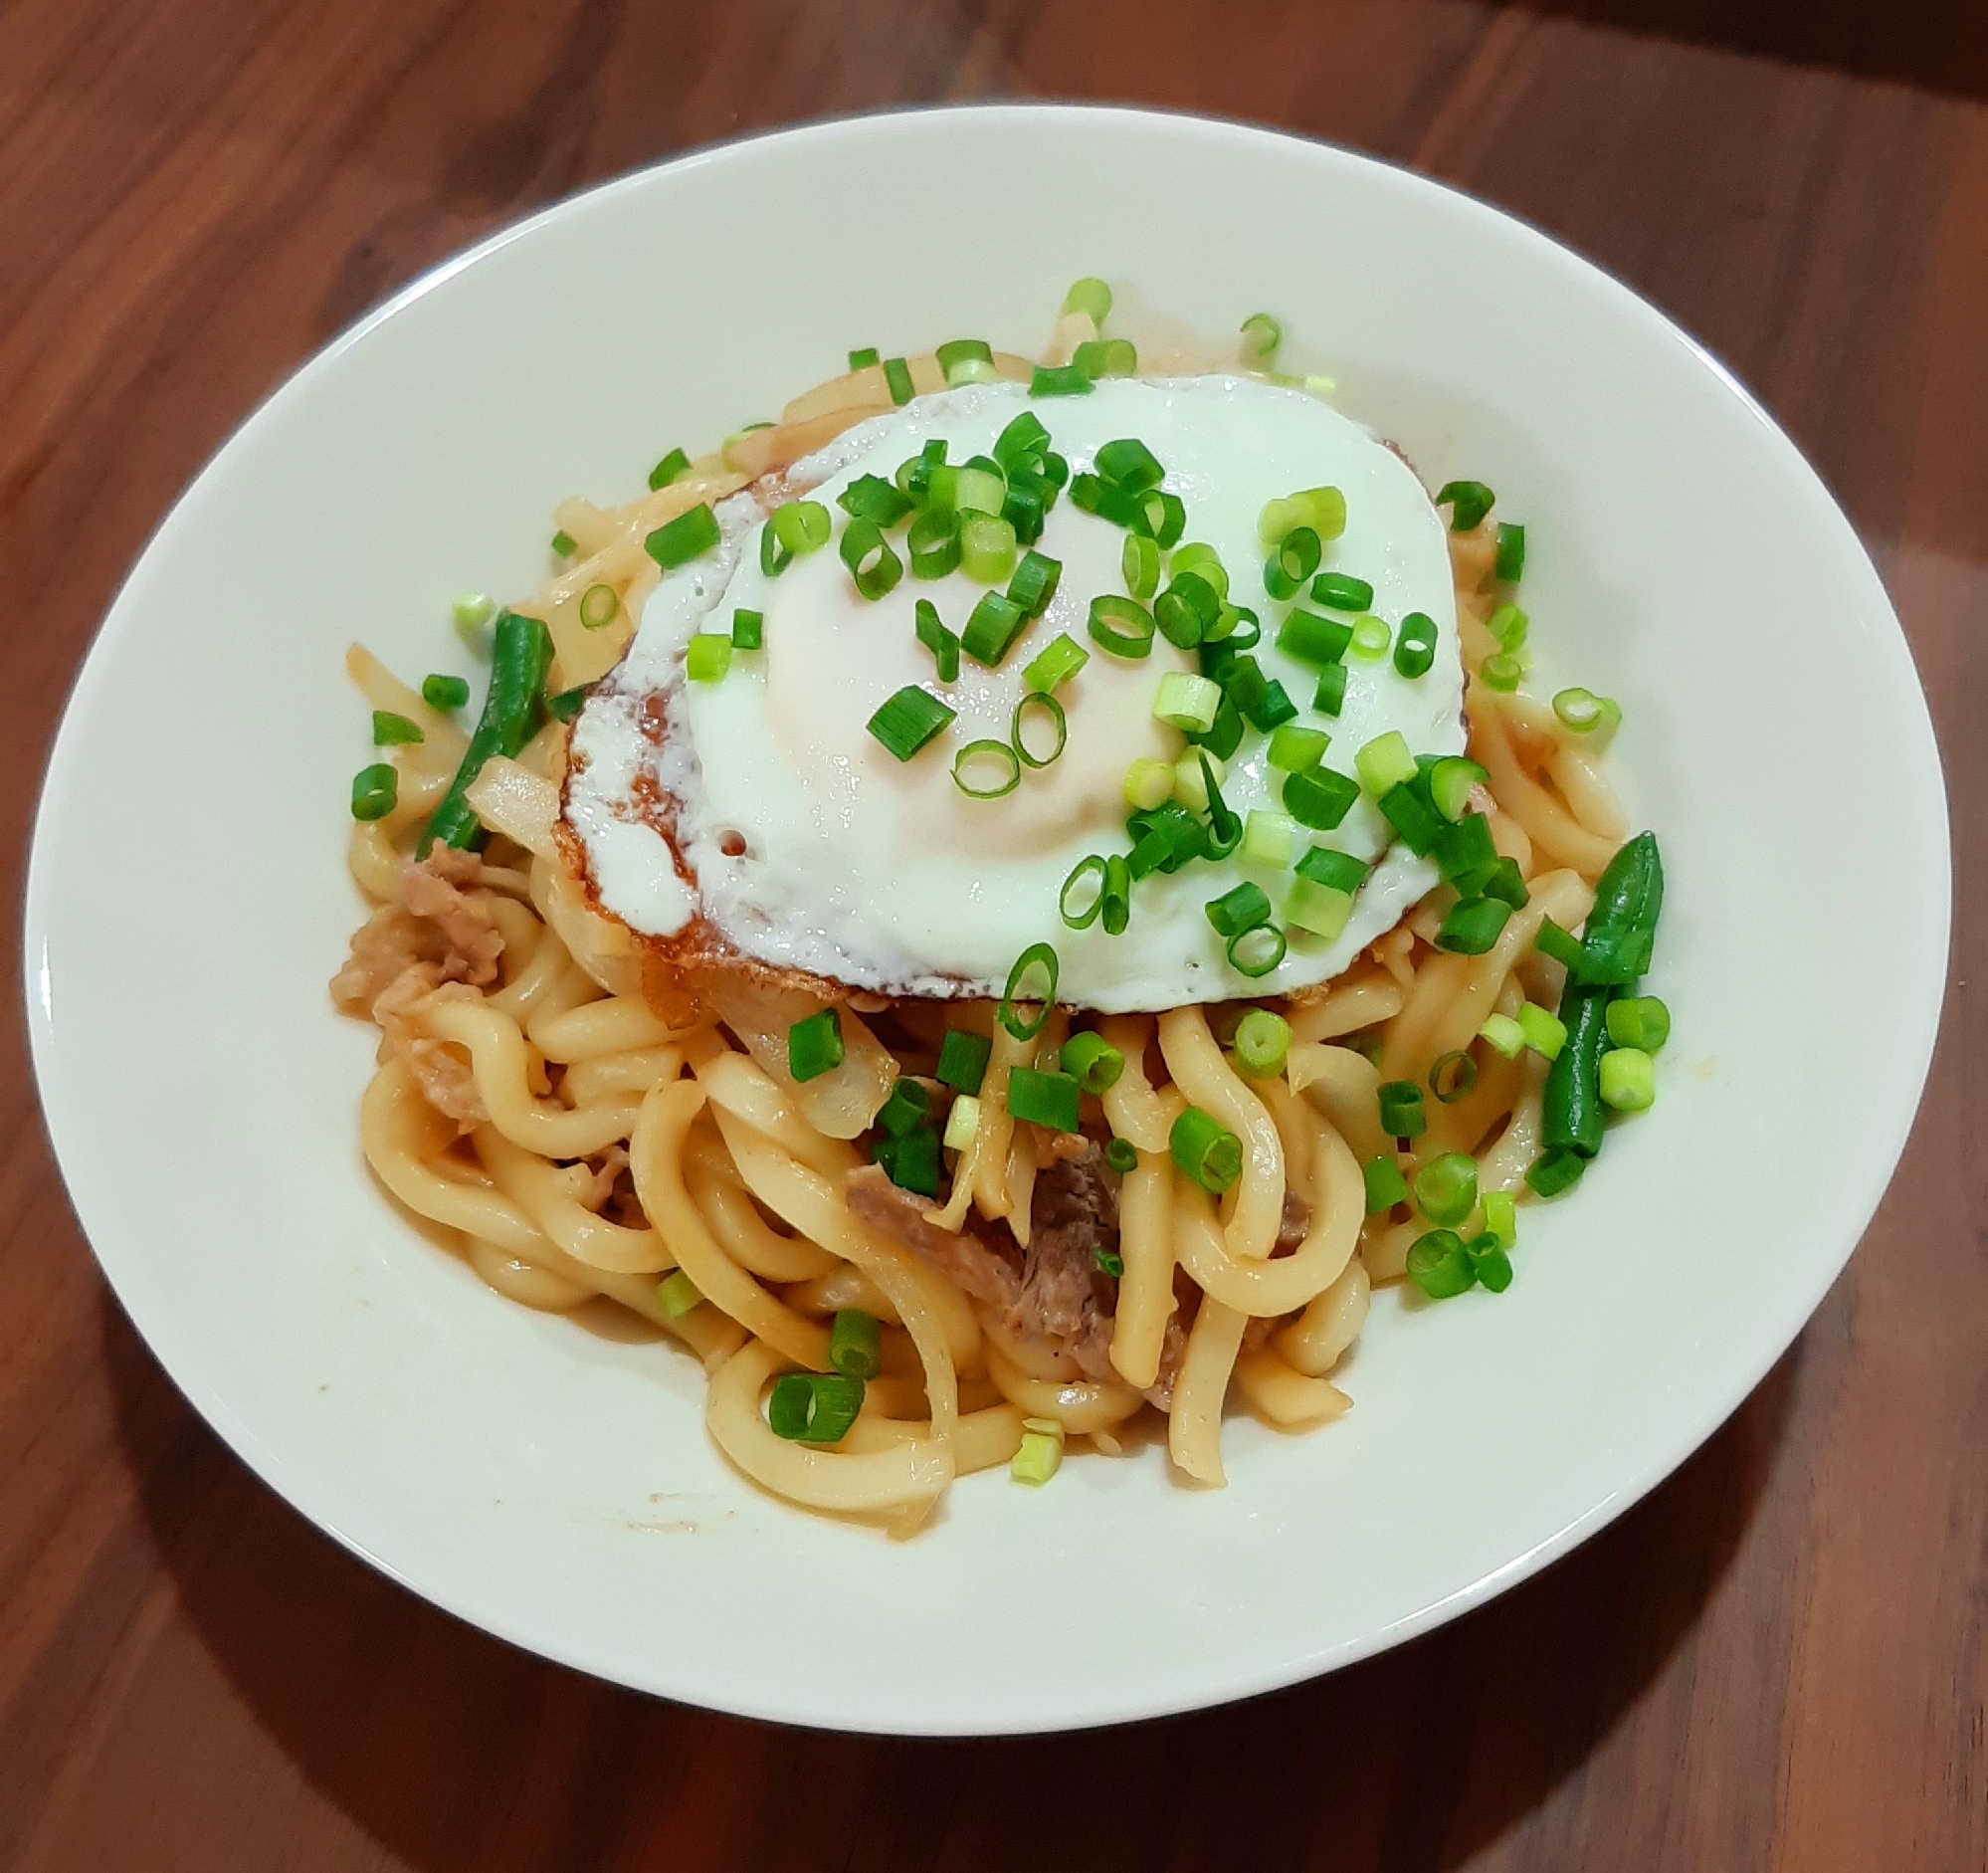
column 882, row 874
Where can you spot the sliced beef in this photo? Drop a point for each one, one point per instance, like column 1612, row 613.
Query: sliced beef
column 974, row 1265
column 1294, row 1224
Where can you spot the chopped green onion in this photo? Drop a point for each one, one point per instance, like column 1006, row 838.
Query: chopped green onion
column 470, row 612
column 1105, row 358
column 1278, row 517
column 1587, row 713
column 813, row 1407
column 1371, row 636
column 1206, row 1150
column 1140, row 564
column 1034, row 585
column 1385, row 763
column 1464, row 854
column 1312, row 638
column 979, row 490
column 1130, row 464
column 871, row 563
column 598, row 606
column 1504, row 1035
column 567, row 704
column 748, row 629
column 1118, row 895
column 1502, row 672
column 1225, row 830
column 1268, row 838
column 1319, row 799
column 1639, row 1021
column 872, row 498
column 1510, row 553
column 1035, row 957
column 1386, row 1186
column 1186, row 702
column 913, row 1163
column 854, row 1344
column 375, row 791
column 1468, row 501
column 1506, row 882
column 957, row 357
column 1408, row 811
column 678, row 541
column 978, row 754
column 863, row 360
column 1036, row 1459
column 1628, row 1079
column 1339, row 591
column 1092, row 1061
column 1555, row 1171
column 1401, row 1109
column 1039, row 699
column 1488, row 1261
column 1262, row 1039
column 933, row 543
column 563, row 544
column 1025, row 438
column 1297, row 556
column 1501, row 1217
column 707, row 657
column 992, row 628
column 444, row 694
column 1445, row 1188
column 1257, row 951
column 906, row 1110
column 814, row 1046
column 1331, row 695
column 1242, row 908
column 962, row 1060
column 1122, row 627
column 1326, row 508
column 1440, row 1265
column 1190, row 784
column 1205, row 564
column 1473, row 926
column 1452, row 1076
column 1415, row 648
column 908, row 720
column 1092, row 298
column 1261, row 335
column 942, row 643
column 961, row 1123
column 1508, row 625
column 986, row 547
column 1059, row 380
column 1056, row 663
column 1544, row 1033
column 1185, row 610
column 1148, row 784
column 1085, row 912
column 897, row 379
column 1298, row 750
column 1319, row 910
column 1338, row 871
column 739, row 435
column 1450, row 784
column 1173, row 521
column 676, row 1294
column 391, row 731
column 672, row 465
column 1121, row 1156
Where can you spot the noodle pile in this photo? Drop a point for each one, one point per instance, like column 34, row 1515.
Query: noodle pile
column 580, row 1131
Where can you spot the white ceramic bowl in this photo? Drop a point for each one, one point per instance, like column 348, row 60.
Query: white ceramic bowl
column 187, row 901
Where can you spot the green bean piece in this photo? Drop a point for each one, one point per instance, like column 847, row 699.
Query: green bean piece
column 513, row 707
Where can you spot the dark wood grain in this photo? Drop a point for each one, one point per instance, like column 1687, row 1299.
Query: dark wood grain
column 1779, row 1660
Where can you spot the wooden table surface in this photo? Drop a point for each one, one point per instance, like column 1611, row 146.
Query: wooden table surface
column 1778, row 1660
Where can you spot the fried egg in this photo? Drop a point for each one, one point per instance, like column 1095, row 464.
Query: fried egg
column 760, row 812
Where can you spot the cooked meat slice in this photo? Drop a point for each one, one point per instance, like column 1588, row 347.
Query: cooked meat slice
column 967, row 1260
column 439, row 937
column 442, row 919
column 1066, row 1299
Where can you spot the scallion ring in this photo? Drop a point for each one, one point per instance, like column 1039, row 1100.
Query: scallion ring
column 1141, row 565
column 1117, row 899
column 1257, row 951
column 871, row 563
column 802, row 526
column 597, row 604
column 1453, row 1074
column 1123, row 626
column 1039, row 699
column 1036, row 956
column 1000, row 753
column 933, row 543
column 1085, row 869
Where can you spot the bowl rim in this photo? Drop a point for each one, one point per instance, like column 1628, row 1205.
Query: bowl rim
column 1919, row 1024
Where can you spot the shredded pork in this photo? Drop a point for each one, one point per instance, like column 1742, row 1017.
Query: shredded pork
column 437, row 938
